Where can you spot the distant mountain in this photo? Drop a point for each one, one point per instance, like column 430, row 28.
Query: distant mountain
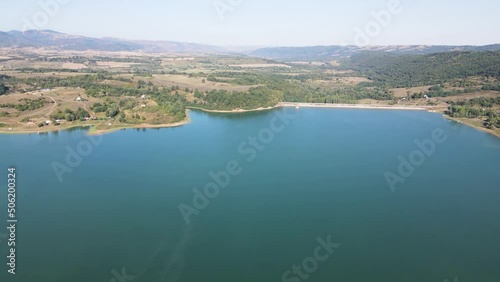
column 332, row 52
column 57, row 40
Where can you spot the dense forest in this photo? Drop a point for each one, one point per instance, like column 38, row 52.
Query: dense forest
column 418, row 70
column 293, row 88
column 255, row 98
column 70, row 115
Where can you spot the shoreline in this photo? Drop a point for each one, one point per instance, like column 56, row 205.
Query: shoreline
column 96, row 132
column 469, row 123
column 93, row 132
column 355, row 106
column 331, row 106
column 235, row 111
column 186, row 120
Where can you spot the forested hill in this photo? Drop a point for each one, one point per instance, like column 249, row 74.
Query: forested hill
column 419, row 70
column 326, row 53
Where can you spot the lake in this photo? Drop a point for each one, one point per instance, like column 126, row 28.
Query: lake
column 282, row 195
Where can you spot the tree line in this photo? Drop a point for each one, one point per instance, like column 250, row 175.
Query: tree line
column 419, row 70
column 477, row 108
column 27, row 104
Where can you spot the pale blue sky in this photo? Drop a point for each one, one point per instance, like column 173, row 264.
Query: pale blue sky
column 265, row 22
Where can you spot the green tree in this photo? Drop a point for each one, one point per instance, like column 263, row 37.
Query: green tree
column 198, row 94
column 112, row 111
column 3, row 89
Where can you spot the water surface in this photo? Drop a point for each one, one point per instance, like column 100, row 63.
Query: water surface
column 322, row 175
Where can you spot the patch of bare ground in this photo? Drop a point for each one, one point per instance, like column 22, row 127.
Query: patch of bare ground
column 468, row 96
column 183, row 81
column 374, row 102
column 20, row 64
column 261, row 66
column 338, row 71
column 310, row 63
column 73, row 66
column 116, row 64
column 292, row 73
column 354, row 80
column 403, row 92
column 19, row 74
column 14, row 118
column 58, row 99
column 335, row 63
column 178, row 59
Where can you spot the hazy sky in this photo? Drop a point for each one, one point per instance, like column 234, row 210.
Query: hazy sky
column 265, row 22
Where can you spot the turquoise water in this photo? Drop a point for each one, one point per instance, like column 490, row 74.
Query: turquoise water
column 321, row 175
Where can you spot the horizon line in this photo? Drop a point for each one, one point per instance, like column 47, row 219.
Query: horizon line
column 254, row 46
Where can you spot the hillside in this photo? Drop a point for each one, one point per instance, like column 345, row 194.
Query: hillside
column 335, row 52
column 418, row 70
column 57, row 40
column 61, row 41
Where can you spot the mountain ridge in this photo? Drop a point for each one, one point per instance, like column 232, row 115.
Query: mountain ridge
column 57, row 40
column 337, row 51
column 63, row 41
